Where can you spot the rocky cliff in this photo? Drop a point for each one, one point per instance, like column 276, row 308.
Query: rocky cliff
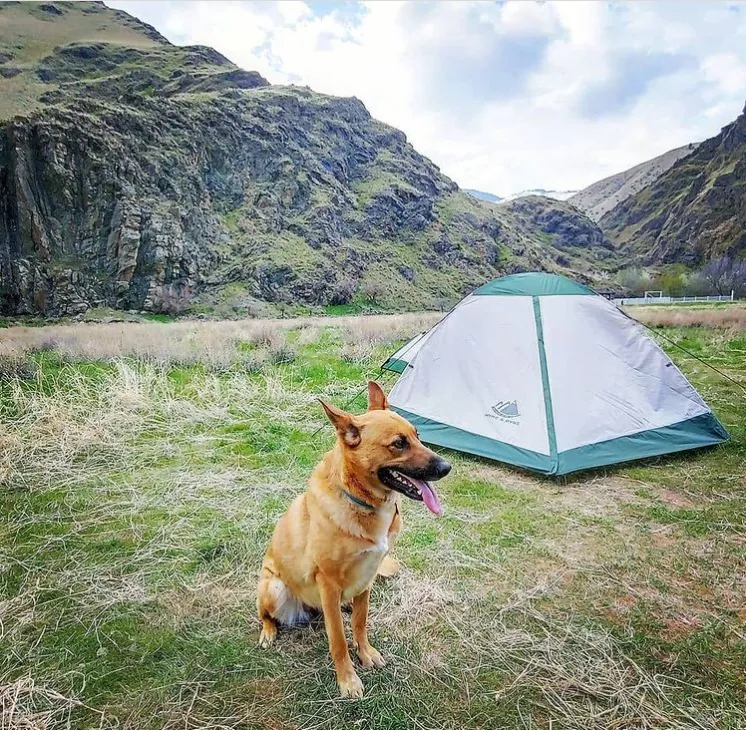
column 693, row 212
column 137, row 174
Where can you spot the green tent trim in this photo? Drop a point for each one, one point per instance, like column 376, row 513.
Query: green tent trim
column 395, row 365
column 694, row 433
column 533, row 285
column 698, row 432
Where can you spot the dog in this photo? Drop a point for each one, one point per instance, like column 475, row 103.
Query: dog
column 334, row 539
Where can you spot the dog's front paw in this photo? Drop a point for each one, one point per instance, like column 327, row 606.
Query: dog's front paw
column 350, row 685
column 371, row 658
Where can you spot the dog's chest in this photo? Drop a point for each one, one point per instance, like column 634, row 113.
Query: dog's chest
column 357, row 561
column 362, row 571
column 367, row 561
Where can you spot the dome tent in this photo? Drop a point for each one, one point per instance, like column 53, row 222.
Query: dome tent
column 538, row 371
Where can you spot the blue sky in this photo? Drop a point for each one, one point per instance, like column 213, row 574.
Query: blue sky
column 503, row 96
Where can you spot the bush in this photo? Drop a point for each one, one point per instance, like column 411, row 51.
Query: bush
column 697, row 286
column 371, row 292
column 670, row 281
column 282, row 355
column 343, row 292
column 250, row 365
column 14, row 366
column 49, row 345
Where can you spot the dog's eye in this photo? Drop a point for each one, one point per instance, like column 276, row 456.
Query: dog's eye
column 400, row 443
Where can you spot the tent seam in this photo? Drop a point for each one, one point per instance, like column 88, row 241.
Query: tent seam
column 548, row 409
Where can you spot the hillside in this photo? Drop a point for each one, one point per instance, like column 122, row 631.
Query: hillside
column 564, row 227
column 140, row 175
column 693, row 212
column 598, row 199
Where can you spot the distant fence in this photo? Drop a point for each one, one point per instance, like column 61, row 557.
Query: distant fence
column 631, row 301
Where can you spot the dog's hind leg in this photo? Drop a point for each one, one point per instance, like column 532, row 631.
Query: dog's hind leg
column 269, row 632
column 266, row 606
column 275, row 605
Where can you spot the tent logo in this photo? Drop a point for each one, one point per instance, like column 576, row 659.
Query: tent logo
column 506, row 411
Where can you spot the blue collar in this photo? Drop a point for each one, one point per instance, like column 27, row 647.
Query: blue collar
column 356, row 500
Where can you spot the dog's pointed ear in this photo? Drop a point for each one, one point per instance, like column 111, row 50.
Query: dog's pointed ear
column 377, row 400
column 344, row 423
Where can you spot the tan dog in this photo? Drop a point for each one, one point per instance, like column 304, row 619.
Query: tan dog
column 328, row 547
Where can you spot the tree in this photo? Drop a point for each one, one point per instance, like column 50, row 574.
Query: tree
column 633, row 281
column 697, row 285
column 726, row 274
column 371, row 291
column 670, row 281
column 343, row 292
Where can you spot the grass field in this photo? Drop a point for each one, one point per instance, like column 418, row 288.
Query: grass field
column 143, row 466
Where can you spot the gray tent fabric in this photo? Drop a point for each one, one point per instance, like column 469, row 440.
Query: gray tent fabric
column 538, row 371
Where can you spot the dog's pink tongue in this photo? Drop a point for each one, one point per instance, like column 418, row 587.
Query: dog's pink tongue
column 429, row 497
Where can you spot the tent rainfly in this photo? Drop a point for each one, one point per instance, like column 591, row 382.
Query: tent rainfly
column 538, row 371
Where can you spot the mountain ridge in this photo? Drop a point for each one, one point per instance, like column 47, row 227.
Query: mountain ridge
column 481, row 195
column 602, row 196
column 541, row 192
column 140, row 175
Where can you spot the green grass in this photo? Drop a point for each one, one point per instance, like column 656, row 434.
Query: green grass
column 138, row 497
column 356, row 307
column 31, row 35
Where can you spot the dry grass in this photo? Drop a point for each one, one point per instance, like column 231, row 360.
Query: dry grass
column 730, row 317
column 26, row 706
column 211, row 343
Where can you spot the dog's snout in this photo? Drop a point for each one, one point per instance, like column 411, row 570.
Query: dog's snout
column 440, row 467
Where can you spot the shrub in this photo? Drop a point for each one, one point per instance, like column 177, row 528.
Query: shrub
column 697, row 285
column 343, row 292
column 14, row 366
column 250, row 365
column 670, row 281
column 371, row 292
column 281, row 355
column 49, row 345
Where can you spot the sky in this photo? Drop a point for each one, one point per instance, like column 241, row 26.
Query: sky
column 502, row 96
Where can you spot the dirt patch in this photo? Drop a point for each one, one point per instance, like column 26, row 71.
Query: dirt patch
column 674, row 499
column 680, row 626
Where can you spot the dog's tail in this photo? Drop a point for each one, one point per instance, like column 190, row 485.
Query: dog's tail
column 388, row 568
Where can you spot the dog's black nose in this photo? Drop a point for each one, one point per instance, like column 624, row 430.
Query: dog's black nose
column 440, row 467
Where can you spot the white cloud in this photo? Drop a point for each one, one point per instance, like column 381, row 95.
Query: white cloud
column 727, row 71
column 502, row 97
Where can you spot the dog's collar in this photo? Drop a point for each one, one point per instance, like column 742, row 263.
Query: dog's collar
column 356, row 500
